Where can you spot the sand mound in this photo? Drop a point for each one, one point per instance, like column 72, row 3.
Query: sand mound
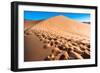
column 29, row 23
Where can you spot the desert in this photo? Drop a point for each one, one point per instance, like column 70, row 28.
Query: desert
column 56, row 38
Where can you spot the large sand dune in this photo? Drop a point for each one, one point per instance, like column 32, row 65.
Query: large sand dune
column 61, row 37
column 29, row 23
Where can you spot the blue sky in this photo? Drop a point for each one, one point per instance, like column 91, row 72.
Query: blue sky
column 37, row 15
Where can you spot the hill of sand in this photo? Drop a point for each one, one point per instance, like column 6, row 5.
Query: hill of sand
column 63, row 38
column 29, row 23
column 65, row 25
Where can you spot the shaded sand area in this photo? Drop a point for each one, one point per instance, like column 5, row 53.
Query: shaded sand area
column 57, row 38
column 34, row 50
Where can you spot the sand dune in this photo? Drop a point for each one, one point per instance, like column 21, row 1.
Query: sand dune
column 61, row 37
column 30, row 23
column 63, row 24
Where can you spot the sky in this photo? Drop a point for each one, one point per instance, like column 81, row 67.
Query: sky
column 37, row 15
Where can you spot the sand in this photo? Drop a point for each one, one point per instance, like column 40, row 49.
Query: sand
column 57, row 38
column 34, row 49
column 29, row 23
